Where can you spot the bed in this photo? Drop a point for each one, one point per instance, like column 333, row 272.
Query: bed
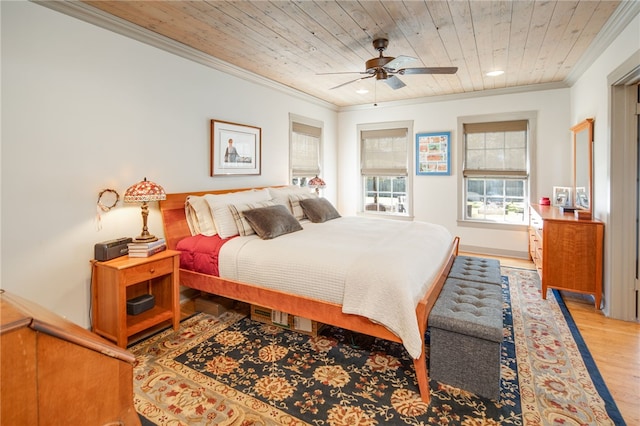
column 294, row 299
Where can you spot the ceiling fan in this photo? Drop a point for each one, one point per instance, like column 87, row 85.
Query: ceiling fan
column 387, row 68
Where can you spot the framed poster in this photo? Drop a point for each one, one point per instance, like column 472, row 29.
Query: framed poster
column 433, row 153
column 235, row 148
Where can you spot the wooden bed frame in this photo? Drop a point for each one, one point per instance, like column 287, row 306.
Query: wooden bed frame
column 176, row 228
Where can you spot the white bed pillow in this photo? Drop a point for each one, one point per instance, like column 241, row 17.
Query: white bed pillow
column 192, row 218
column 219, row 206
column 281, row 194
column 199, row 216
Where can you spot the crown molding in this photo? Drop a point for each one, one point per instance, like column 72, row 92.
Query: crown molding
column 92, row 15
column 621, row 17
column 460, row 96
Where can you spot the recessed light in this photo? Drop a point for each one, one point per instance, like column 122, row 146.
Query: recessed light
column 362, row 91
column 494, row 73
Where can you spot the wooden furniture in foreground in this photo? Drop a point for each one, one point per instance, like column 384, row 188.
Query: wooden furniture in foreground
column 176, row 228
column 567, row 252
column 115, row 281
column 54, row 372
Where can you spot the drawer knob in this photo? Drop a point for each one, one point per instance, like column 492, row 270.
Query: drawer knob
column 152, row 270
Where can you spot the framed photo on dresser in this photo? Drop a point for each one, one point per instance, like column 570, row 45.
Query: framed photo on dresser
column 562, row 196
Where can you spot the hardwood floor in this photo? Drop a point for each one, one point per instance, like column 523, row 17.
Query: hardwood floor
column 614, row 345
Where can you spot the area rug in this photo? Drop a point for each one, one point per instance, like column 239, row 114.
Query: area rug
column 229, row 370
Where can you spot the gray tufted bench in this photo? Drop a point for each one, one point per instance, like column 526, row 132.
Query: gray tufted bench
column 476, row 269
column 465, row 335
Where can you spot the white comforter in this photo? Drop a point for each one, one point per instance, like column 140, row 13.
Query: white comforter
column 373, row 267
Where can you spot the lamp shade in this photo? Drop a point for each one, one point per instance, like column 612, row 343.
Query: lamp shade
column 316, row 182
column 144, row 191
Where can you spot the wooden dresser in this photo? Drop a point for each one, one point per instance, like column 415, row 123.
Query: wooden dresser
column 566, row 251
column 54, row 372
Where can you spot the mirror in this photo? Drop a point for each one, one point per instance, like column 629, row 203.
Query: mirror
column 582, row 163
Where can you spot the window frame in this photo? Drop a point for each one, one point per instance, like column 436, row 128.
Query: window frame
column 294, row 120
column 532, row 118
column 390, row 125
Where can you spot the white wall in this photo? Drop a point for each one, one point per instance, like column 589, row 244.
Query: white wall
column 435, row 197
column 591, row 97
column 85, row 109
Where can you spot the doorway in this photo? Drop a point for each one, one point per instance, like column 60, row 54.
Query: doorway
column 623, row 263
column 637, row 118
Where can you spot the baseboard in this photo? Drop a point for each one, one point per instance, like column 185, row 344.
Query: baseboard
column 494, row 252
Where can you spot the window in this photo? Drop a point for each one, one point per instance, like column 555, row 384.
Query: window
column 384, row 167
column 495, row 171
column 306, row 136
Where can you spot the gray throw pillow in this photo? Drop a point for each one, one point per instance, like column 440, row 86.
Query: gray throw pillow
column 271, row 222
column 319, row 210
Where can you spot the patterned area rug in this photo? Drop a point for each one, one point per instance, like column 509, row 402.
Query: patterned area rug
column 229, row 370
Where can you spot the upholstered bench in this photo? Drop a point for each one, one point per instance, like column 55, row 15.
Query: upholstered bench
column 465, row 328
column 476, row 269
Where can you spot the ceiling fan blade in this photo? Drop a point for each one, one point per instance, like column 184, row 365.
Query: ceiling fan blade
column 394, row 82
column 342, row 72
column 437, row 70
column 352, row 81
column 399, row 62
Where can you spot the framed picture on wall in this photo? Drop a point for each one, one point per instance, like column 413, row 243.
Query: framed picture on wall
column 235, row 149
column 433, row 153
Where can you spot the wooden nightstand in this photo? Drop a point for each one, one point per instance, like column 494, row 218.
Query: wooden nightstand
column 115, row 281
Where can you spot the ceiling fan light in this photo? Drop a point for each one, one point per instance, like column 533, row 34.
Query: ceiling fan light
column 494, row 73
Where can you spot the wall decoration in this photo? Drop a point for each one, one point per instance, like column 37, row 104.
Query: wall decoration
column 433, row 153
column 561, row 196
column 107, row 199
column 235, row 149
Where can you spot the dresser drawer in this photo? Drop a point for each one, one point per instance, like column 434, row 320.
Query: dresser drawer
column 535, row 221
column 146, row 271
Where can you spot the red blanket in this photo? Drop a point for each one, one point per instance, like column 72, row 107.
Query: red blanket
column 200, row 253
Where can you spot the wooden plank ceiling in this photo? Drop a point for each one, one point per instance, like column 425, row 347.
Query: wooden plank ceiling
column 291, row 42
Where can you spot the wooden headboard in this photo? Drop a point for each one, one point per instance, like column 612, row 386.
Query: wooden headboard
column 174, row 220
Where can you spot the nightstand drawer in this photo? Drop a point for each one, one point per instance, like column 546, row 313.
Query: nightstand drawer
column 146, row 271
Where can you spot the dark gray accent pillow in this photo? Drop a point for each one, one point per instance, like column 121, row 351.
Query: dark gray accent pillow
column 272, row 221
column 319, row 210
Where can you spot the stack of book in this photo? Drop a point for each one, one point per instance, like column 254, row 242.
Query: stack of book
column 147, row 249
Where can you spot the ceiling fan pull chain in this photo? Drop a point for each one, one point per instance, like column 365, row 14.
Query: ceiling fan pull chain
column 375, row 93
